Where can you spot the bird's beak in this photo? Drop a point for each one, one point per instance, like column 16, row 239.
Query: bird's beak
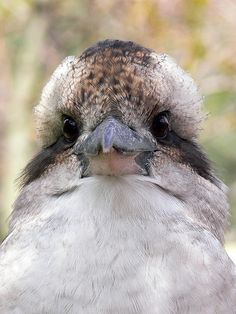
column 112, row 134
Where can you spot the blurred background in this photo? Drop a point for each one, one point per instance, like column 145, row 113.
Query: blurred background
column 36, row 35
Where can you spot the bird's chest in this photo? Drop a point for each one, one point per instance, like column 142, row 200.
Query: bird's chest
column 102, row 251
column 110, row 264
column 105, row 254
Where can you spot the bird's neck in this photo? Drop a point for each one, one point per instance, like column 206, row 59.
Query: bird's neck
column 132, row 197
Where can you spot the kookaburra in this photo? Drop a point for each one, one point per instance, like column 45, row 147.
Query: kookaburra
column 120, row 212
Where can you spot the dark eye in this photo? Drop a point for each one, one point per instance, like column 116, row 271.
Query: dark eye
column 70, row 129
column 160, row 125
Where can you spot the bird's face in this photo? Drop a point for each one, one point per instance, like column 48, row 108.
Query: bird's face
column 113, row 124
column 121, row 109
column 114, row 111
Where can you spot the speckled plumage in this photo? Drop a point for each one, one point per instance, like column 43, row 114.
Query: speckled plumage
column 112, row 230
column 129, row 79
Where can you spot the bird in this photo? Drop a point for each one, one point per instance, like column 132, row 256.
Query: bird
column 120, row 212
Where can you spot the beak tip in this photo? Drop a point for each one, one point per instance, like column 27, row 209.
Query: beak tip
column 107, row 150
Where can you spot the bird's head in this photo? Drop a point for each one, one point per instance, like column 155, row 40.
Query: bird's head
column 121, row 109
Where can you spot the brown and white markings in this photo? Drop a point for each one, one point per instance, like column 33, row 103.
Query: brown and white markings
column 120, row 211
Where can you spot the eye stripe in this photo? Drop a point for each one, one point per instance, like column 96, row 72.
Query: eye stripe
column 193, row 155
column 40, row 163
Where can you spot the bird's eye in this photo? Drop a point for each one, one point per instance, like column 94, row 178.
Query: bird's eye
column 70, row 129
column 160, row 125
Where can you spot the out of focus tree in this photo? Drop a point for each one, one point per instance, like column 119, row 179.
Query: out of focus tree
column 35, row 35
